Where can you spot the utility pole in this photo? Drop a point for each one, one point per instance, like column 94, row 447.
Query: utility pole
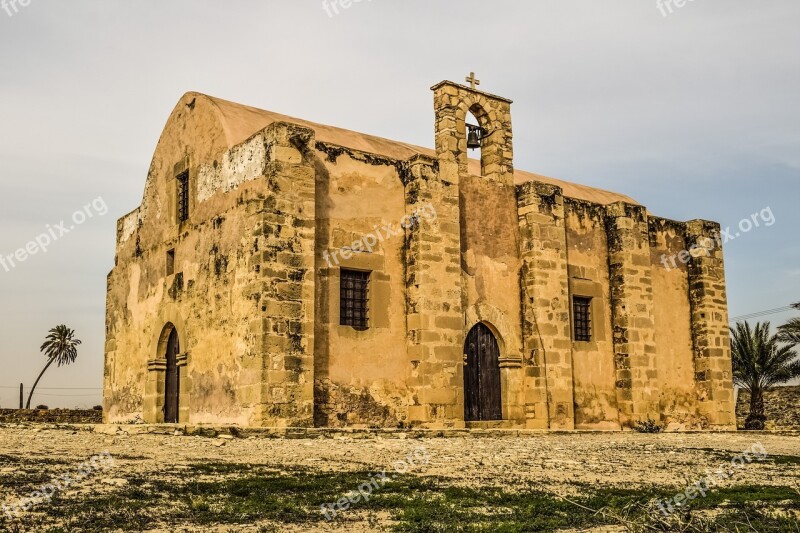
column 20, row 395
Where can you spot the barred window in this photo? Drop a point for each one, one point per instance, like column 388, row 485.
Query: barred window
column 354, row 299
column 183, row 196
column 582, row 318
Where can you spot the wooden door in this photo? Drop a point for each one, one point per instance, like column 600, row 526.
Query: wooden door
column 482, row 399
column 172, row 380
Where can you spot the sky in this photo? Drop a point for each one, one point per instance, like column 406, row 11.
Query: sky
column 694, row 113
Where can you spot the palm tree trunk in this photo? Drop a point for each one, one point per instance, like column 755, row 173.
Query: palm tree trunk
column 50, row 362
column 756, row 418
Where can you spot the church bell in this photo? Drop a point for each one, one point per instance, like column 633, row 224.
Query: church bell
column 473, row 139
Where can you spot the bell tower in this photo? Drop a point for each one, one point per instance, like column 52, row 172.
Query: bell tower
column 452, row 104
column 468, row 268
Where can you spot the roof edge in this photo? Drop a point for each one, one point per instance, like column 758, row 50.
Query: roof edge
column 470, row 89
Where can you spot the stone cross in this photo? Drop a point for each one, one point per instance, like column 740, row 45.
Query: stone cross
column 472, row 80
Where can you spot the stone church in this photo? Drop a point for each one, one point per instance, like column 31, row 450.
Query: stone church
column 280, row 272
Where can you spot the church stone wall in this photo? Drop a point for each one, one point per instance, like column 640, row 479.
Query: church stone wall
column 236, row 294
column 632, row 304
column 361, row 377
column 274, row 218
column 490, row 267
column 435, row 317
column 207, row 300
column 593, row 362
column 548, row 385
column 710, row 328
column 672, row 313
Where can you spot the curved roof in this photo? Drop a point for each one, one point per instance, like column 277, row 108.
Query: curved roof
column 240, row 122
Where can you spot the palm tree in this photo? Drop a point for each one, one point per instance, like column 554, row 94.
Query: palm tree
column 60, row 346
column 790, row 332
column 760, row 362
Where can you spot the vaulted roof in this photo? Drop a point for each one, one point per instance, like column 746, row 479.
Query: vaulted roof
column 239, row 122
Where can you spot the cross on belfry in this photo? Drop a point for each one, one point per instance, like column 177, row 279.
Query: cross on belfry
column 472, row 80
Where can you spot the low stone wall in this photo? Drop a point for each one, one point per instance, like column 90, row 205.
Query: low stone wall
column 51, row 416
column 232, row 432
column 782, row 407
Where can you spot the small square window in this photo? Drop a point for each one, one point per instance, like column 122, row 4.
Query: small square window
column 183, row 196
column 170, row 262
column 582, row 318
column 354, row 299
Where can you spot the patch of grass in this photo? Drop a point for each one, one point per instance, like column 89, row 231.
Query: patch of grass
column 123, row 457
column 223, row 468
column 783, row 459
column 648, row 426
column 128, row 509
column 30, row 472
column 743, row 494
column 240, row 494
column 724, row 456
column 28, row 459
column 493, row 510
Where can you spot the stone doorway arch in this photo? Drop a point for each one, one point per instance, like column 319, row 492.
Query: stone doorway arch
column 166, row 392
column 172, row 379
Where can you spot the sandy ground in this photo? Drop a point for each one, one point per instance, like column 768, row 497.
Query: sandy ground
column 555, row 462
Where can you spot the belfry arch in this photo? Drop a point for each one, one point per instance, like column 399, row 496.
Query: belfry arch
column 453, row 103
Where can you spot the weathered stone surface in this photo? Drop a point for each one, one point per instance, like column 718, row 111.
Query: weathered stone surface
column 51, row 416
column 781, row 406
column 278, row 207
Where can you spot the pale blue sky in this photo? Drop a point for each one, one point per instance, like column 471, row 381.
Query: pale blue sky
column 695, row 115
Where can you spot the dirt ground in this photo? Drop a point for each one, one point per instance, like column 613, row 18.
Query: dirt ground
column 557, row 463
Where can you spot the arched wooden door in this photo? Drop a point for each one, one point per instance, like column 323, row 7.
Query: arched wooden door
column 172, row 380
column 482, row 400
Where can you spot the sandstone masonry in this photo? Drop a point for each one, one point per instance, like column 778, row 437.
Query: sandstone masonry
column 521, row 301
